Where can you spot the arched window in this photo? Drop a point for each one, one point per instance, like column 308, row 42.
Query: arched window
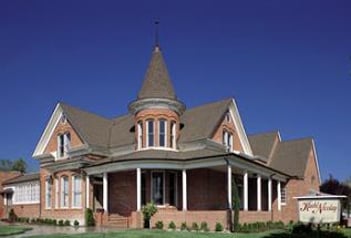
column 228, row 140
column 64, row 192
column 173, row 135
column 140, row 134
column 63, row 144
column 162, row 133
column 150, row 131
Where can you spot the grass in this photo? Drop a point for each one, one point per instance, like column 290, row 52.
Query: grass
column 346, row 232
column 7, row 230
column 158, row 234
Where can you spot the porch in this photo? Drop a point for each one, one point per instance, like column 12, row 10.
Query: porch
column 197, row 194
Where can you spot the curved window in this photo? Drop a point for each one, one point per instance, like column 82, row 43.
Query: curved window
column 150, row 130
column 162, row 132
column 140, row 135
column 173, row 135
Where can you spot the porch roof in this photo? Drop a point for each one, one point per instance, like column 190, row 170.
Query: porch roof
column 201, row 158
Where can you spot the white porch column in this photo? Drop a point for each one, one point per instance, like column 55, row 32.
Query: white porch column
column 230, row 205
column 87, row 191
column 259, row 204
column 105, row 192
column 269, row 194
column 184, row 185
column 246, row 191
column 138, row 189
column 279, row 196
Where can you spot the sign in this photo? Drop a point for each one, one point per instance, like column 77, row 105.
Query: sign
column 319, row 210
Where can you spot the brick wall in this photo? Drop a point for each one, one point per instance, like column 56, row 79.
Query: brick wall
column 207, row 189
column 56, row 212
column 3, row 177
column 31, row 211
column 230, row 127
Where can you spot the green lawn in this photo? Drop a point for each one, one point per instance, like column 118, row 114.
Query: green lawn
column 7, row 230
column 159, row 234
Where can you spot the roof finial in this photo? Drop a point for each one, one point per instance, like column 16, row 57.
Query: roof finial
column 157, row 22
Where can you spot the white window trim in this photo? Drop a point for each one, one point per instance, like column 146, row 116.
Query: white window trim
column 57, row 193
column 140, row 135
column 164, row 187
column 165, row 133
column 174, row 132
column 73, row 191
column 26, row 187
column 48, row 204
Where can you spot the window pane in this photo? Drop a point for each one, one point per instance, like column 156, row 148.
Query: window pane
column 150, row 133
column 162, row 133
column 157, row 188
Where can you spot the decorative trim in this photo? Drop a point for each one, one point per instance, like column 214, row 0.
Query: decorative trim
column 156, row 103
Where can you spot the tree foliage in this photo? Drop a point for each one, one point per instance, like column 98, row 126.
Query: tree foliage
column 333, row 186
column 13, row 165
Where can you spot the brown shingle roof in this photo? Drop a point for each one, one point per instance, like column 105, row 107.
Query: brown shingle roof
column 262, row 144
column 200, row 122
column 157, row 83
column 99, row 131
column 23, row 178
column 92, row 128
column 291, row 156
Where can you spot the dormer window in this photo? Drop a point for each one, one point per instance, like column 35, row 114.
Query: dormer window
column 150, row 133
column 173, row 135
column 63, row 144
column 140, row 135
column 162, row 133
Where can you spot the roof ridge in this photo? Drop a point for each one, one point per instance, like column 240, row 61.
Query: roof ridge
column 210, row 103
column 309, row 138
column 83, row 110
column 265, row 133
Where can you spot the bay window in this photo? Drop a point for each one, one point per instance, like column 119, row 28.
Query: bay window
column 173, row 135
column 162, row 133
column 140, row 135
column 48, row 189
column 150, row 133
column 77, row 192
column 64, row 192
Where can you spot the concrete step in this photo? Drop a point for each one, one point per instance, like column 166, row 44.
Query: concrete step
column 118, row 221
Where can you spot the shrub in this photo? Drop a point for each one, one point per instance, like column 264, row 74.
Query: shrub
column 183, row 226
column 172, row 225
column 219, row 227
column 195, row 226
column 159, row 225
column 67, row 223
column 301, row 229
column 148, row 211
column 54, row 222
column 89, row 217
column 76, row 223
column 12, row 216
column 204, row 226
column 60, row 222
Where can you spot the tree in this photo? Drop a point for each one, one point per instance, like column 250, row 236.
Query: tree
column 15, row 165
column 19, row 165
column 333, row 186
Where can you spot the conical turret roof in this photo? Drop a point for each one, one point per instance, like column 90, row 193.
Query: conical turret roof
column 157, row 83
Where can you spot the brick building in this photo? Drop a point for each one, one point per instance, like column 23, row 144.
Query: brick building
column 184, row 160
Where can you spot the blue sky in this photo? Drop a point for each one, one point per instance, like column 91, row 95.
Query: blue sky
column 287, row 63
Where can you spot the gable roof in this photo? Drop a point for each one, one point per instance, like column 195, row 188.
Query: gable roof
column 291, row 157
column 22, row 178
column 262, row 144
column 200, row 122
column 92, row 128
column 157, row 83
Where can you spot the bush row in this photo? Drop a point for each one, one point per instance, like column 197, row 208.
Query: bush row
column 46, row 221
column 194, row 226
column 259, row 226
